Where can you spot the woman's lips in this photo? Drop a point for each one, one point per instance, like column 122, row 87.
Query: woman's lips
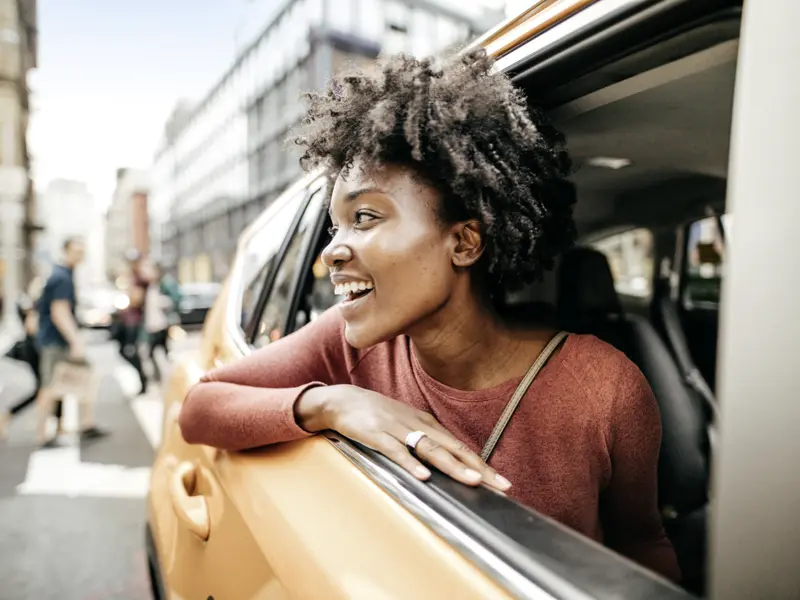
column 352, row 306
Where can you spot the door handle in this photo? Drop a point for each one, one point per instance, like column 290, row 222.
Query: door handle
column 191, row 509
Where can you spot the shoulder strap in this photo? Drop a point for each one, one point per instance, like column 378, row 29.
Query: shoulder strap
column 521, row 390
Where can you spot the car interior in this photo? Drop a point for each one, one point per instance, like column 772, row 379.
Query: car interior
column 649, row 132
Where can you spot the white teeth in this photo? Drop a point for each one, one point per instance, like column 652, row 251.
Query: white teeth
column 342, row 289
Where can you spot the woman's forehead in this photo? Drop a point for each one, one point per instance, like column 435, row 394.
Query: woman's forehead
column 389, row 179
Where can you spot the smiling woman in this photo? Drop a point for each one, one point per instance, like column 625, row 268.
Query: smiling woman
column 449, row 191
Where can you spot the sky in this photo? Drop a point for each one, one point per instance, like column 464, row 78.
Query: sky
column 110, row 72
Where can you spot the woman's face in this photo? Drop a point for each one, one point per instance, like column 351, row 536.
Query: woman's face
column 391, row 256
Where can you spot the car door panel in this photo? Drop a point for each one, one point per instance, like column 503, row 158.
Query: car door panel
column 328, row 531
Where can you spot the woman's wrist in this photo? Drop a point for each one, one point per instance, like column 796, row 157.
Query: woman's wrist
column 312, row 411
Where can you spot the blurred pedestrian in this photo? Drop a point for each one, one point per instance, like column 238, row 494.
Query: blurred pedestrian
column 26, row 350
column 160, row 314
column 58, row 336
column 133, row 334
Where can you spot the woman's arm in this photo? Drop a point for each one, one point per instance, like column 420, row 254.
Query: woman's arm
column 631, row 519
column 304, row 379
column 250, row 403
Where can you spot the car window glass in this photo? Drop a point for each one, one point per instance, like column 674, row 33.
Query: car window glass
column 258, row 259
column 317, row 295
column 272, row 324
column 630, row 256
column 705, row 263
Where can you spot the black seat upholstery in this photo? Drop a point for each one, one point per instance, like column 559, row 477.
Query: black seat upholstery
column 665, row 318
column 588, row 303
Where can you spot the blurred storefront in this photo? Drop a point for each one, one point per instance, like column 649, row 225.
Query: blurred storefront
column 226, row 159
column 18, row 39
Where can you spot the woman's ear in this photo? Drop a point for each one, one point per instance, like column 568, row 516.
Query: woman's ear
column 469, row 243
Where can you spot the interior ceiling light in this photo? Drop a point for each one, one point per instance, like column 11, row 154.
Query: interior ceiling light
column 608, row 162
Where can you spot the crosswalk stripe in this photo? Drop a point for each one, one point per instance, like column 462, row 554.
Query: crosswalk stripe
column 147, row 407
column 148, row 411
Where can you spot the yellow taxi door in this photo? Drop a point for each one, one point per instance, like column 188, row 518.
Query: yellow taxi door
column 205, row 548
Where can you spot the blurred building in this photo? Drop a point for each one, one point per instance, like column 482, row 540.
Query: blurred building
column 165, row 177
column 221, row 163
column 18, row 38
column 127, row 220
column 68, row 210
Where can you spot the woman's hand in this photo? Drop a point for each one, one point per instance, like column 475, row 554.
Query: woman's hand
column 382, row 424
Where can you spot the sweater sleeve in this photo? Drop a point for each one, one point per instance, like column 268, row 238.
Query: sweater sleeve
column 250, row 403
column 632, row 521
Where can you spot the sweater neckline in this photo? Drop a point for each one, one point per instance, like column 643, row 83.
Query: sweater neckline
column 501, row 390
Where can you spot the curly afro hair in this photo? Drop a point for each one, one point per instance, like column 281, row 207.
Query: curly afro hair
column 463, row 127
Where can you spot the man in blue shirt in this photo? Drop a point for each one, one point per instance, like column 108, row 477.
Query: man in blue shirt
column 59, row 337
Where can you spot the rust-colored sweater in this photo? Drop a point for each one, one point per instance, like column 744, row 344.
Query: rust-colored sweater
column 582, row 447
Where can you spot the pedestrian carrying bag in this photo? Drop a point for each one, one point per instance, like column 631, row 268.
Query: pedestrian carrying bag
column 71, row 378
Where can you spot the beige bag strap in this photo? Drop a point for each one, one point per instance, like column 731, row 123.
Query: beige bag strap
column 521, row 390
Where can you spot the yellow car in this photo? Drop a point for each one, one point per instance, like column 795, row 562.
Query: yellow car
column 644, row 91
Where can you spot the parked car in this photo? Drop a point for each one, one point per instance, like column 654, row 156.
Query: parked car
column 196, row 300
column 645, row 92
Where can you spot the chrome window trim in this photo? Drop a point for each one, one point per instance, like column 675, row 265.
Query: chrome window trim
column 536, row 561
column 572, row 25
column 517, row 584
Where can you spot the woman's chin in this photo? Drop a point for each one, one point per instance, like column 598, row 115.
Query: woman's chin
column 361, row 335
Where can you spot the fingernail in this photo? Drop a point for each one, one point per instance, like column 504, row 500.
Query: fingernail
column 504, row 483
column 470, row 474
column 422, row 472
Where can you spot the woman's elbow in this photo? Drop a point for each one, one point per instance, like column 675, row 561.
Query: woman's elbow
column 190, row 419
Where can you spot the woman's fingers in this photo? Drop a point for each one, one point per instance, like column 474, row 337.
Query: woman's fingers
column 461, row 451
column 437, row 455
column 434, row 448
column 396, row 451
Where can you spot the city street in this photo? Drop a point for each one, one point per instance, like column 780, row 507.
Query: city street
column 72, row 517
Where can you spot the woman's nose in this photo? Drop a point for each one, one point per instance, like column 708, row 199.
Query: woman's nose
column 336, row 254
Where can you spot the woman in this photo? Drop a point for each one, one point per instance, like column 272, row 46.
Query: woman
column 447, row 194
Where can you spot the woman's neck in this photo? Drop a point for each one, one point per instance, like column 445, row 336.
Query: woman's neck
column 467, row 346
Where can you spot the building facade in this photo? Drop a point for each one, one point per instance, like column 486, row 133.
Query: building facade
column 230, row 158
column 18, row 38
column 127, row 220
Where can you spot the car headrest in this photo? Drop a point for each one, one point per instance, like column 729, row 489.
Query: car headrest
column 586, row 286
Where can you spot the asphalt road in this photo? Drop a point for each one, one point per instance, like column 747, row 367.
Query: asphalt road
column 72, row 517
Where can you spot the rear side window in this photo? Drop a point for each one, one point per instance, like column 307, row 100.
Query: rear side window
column 705, row 263
column 272, row 324
column 630, row 256
column 259, row 258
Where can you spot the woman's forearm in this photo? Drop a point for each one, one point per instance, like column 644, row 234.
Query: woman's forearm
column 237, row 417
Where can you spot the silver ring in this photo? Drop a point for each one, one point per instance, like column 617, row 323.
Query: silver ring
column 413, row 438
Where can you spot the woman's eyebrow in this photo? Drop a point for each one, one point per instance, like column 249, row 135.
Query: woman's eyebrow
column 361, row 191
column 357, row 193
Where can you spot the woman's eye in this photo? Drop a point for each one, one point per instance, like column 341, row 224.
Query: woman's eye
column 363, row 217
column 332, row 231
